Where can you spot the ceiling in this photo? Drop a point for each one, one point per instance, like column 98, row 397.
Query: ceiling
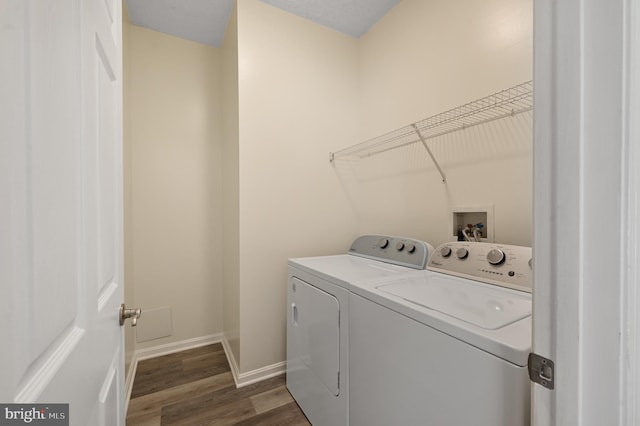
column 205, row 21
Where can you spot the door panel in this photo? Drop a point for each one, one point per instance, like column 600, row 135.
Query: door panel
column 107, row 173
column 314, row 333
column 52, row 190
column 61, row 212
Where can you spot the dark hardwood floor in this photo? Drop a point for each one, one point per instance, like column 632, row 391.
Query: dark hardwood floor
column 195, row 387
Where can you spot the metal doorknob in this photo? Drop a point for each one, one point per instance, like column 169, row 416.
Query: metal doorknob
column 134, row 314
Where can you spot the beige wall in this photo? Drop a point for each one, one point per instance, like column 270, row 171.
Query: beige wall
column 305, row 90
column 297, row 97
column 231, row 190
column 424, row 58
column 174, row 141
column 292, row 91
column 129, row 333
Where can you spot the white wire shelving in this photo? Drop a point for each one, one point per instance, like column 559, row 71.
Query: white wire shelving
column 499, row 105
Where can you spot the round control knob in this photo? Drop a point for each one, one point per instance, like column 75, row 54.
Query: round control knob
column 445, row 251
column 400, row 246
column 383, row 243
column 462, row 253
column 411, row 248
column 495, row 257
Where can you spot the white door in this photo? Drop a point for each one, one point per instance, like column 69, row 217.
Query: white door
column 61, row 261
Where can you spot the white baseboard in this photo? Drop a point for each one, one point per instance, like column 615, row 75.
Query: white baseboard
column 183, row 345
column 235, row 371
column 261, row 374
column 253, row 376
column 240, row 379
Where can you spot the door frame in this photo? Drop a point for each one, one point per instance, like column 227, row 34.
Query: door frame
column 631, row 315
column 586, row 203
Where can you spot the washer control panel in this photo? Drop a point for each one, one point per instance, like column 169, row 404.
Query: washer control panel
column 499, row 264
column 397, row 250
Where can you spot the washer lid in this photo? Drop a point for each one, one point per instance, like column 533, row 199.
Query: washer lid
column 478, row 304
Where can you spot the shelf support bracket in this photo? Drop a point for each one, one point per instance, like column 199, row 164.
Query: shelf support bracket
column 424, row 142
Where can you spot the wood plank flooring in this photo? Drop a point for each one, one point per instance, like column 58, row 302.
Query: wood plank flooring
column 195, row 387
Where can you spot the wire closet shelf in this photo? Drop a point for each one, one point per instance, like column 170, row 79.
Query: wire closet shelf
column 502, row 104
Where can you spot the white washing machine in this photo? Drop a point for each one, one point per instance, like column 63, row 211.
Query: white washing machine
column 447, row 346
column 318, row 318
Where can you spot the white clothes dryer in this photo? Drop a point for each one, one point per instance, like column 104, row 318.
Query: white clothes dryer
column 318, row 318
column 447, row 346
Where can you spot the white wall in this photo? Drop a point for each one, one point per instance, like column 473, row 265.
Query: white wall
column 174, row 139
column 297, row 97
column 424, row 58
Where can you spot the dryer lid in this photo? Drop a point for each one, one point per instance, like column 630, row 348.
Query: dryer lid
column 475, row 303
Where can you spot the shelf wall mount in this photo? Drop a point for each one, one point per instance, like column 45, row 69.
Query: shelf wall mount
column 424, row 142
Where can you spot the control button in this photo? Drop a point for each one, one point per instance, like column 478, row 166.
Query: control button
column 511, row 273
column 531, row 263
column 445, row 251
column 462, row 253
column 383, row 243
column 400, row 246
column 495, row 257
column 411, row 248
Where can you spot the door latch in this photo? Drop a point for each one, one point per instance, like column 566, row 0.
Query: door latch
column 134, row 314
column 541, row 370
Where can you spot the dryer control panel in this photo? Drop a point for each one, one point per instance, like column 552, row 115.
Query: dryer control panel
column 499, row 264
column 397, row 250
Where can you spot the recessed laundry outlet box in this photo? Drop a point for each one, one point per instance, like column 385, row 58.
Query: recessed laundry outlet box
column 476, row 221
